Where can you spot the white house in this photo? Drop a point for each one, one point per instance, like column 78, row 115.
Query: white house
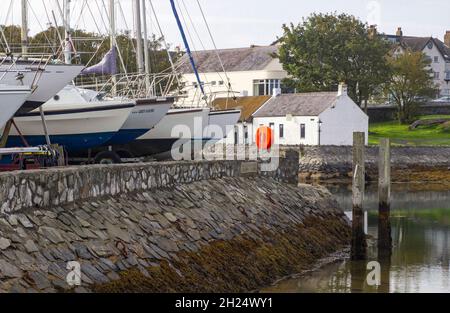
column 251, row 71
column 437, row 51
column 320, row 118
column 243, row 132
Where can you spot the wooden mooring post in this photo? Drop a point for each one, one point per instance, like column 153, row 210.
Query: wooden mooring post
column 384, row 198
column 359, row 245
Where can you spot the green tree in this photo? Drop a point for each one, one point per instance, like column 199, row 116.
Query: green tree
column 326, row 49
column 410, row 82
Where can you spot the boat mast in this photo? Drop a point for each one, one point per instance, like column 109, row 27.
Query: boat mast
column 138, row 30
column 68, row 45
column 24, row 29
column 112, row 38
column 146, row 51
column 188, row 49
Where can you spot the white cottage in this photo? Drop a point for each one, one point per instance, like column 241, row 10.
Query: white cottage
column 320, row 118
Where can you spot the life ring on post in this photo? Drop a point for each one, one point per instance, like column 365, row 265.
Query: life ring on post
column 264, row 138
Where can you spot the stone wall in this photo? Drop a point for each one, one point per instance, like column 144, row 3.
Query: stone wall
column 177, row 226
column 58, row 186
column 189, row 237
column 330, row 163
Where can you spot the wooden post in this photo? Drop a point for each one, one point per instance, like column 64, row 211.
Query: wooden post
column 359, row 244
column 384, row 198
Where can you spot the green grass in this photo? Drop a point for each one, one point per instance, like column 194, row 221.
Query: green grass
column 436, row 135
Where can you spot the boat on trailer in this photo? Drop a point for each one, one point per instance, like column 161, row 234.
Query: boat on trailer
column 71, row 122
column 178, row 127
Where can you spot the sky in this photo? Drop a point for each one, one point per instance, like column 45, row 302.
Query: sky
column 241, row 23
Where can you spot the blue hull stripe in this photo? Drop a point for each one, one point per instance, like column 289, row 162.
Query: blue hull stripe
column 72, row 142
column 125, row 136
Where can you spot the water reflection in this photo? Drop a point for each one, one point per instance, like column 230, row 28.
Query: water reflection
column 420, row 257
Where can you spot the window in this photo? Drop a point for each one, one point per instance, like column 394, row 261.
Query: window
column 213, row 83
column 246, row 135
column 264, row 87
column 221, row 82
column 302, row 131
column 271, row 125
column 436, row 59
column 436, row 75
column 236, row 137
column 281, row 131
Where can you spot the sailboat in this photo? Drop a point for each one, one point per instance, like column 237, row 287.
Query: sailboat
column 74, row 120
column 164, row 138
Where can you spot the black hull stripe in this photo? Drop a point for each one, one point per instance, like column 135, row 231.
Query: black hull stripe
column 185, row 112
column 84, row 110
column 224, row 112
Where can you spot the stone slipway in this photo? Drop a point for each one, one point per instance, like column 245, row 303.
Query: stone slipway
column 222, row 232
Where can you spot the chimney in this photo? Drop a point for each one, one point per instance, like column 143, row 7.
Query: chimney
column 276, row 92
column 447, row 38
column 342, row 91
column 372, row 31
column 399, row 32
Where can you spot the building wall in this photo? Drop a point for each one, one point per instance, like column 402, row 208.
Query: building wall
column 438, row 67
column 291, row 129
column 241, row 82
column 441, row 67
column 339, row 123
column 239, row 129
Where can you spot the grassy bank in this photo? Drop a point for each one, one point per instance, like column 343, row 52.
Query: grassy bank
column 436, row 135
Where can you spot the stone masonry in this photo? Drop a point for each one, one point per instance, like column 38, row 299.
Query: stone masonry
column 111, row 219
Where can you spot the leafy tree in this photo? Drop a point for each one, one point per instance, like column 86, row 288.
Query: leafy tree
column 410, row 82
column 326, row 49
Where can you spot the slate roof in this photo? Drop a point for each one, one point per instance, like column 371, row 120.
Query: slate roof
column 240, row 59
column 299, row 104
column 248, row 105
column 419, row 43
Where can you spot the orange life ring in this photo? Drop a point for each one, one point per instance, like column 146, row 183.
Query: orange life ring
column 264, row 138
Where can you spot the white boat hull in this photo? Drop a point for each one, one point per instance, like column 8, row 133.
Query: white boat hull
column 220, row 122
column 11, row 99
column 77, row 127
column 180, row 123
column 143, row 118
column 49, row 81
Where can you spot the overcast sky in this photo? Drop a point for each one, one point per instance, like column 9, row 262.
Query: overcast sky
column 240, row 23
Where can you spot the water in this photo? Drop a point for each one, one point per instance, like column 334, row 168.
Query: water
column 420, row 257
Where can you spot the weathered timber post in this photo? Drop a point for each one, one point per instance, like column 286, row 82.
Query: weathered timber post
column 384, row 195
column 359, row 244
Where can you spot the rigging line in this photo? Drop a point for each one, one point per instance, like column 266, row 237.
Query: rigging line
column 119, row 53
column 126, row 24
column 199, row 39
column 166, row 46
column 46, row 13
column 193, row 45
column 101, row 16
column 8, row 14
column 40, row 25
column 215, row 46
column 81, row 15
column 186, row 43
column 93, row 18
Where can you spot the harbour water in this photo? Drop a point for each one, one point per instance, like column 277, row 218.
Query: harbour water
column 420, row 257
